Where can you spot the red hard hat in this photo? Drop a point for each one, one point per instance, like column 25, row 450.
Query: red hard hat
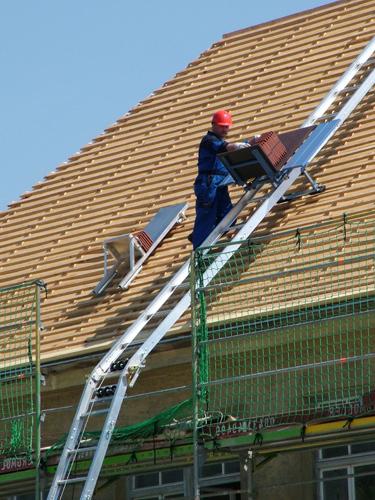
column 222, row 117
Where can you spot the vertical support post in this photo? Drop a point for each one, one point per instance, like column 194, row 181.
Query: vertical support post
column 247, row 475
column 105, row 254
column 196, row 490
column 195, row 450
column 131, row 253
column 37, row 395
column 188, row 483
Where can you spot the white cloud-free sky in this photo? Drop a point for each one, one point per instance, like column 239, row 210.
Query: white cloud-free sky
column 70, row 69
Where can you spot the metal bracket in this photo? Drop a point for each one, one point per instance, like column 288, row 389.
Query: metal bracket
column 256, row 184
column 133, row 373
column 127, row 252
column 298, row 194
column 316, row 189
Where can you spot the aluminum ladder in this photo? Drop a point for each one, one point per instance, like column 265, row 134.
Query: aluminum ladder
column 131, row 369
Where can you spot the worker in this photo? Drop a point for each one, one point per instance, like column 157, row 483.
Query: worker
column 212, row 200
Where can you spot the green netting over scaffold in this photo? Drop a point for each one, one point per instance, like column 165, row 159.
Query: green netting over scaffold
column 173, row 425
column 284, row 327
column 19, row 372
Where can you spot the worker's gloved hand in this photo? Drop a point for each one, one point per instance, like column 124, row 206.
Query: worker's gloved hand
column 242, row 145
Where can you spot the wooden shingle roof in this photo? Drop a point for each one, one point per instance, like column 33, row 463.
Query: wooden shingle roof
column 271, row 77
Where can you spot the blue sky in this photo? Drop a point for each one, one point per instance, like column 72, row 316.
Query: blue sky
column 71, row 68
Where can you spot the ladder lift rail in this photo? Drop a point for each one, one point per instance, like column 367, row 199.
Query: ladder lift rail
column 290, row 172
column 313, row 145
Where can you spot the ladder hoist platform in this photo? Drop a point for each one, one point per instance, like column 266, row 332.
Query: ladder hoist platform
column 295, row 166
column 263, row 159
column 130, row 251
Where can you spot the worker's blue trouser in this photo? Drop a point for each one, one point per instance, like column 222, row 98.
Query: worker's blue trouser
column 208, row 215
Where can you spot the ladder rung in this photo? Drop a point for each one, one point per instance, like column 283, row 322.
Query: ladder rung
column 162, row 313
column 350, row 87
column 185, row 285
column 109, row 374
column 81, row 479
column 331, row 116
column 234, row 229
column 95, row 412
column 82, row 450
column 260, row 198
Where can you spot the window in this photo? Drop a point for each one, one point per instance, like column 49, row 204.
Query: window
column 149, row 498
column 347, row 472
column 209, row 470
column 25, row 496
column 146, row 480
column 335, row 484
column 364, row 477
column 362, row 448
column 219, row 479
column 232, row 467
column 172, row 476
column 336, row 451
column 157, row 485
column 152, row 479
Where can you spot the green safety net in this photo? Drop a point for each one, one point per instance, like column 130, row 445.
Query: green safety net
column 283, row 327
column 172, row 425
column 18, row 331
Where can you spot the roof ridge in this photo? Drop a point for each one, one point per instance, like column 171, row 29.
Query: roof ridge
column 289, row 16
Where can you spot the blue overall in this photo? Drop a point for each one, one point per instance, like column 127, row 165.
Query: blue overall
column 212, row 202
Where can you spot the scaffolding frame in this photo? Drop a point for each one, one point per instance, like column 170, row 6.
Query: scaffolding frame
column 20, row 377
column 229, row 330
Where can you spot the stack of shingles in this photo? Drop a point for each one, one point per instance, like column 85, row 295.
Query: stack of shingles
column 144, row 240
column 272, row 148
